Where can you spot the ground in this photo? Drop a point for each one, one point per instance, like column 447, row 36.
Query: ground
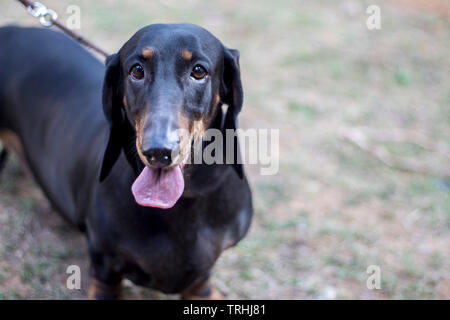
column 313, row 70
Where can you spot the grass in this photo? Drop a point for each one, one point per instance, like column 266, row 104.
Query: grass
column 306, row 112
column 402, row 77
column 308, row 69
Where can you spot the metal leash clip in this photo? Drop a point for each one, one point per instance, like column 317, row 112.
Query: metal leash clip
column 46, row 16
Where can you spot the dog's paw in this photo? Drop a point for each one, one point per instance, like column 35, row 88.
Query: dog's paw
column 202, row 291
column 101, row 291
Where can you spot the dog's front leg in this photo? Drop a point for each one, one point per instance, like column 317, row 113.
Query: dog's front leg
column 202, row 290
column 101, row 291
column 105, row 281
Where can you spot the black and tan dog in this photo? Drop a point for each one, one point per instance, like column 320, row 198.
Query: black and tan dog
column 112, row 173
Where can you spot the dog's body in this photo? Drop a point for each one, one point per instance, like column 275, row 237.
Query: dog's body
column 51, row 99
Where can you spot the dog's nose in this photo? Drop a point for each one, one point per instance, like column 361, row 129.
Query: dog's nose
column 159, row 157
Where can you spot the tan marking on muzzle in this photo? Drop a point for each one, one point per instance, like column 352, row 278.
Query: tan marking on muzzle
column 215, row 105
column 195, row 130
column 216, row 100
column 197, row 134
column 185, row 141
column 139, row 125
column 199, row 130
column 125, row 102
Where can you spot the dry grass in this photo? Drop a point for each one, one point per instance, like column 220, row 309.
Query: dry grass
column 309, row 68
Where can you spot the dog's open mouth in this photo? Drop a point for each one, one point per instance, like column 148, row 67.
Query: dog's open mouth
column 160, row 188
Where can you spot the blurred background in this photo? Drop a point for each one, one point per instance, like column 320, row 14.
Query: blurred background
column 364, row 179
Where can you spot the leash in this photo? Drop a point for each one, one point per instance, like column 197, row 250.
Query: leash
column 48, row 18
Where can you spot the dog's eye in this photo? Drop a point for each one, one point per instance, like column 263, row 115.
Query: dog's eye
column 137, row 72
column 198, row 72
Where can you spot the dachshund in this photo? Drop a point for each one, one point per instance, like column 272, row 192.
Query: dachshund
column 103, row 142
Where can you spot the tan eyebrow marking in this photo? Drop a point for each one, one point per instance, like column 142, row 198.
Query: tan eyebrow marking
column 147, row 53
column 186, row 54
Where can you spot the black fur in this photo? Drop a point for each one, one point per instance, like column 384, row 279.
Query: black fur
column 3, row 158
column 51, row 97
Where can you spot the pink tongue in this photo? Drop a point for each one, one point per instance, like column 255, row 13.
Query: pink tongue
column 158, row 188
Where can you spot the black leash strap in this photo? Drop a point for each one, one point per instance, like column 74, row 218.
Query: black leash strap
column 48, row 18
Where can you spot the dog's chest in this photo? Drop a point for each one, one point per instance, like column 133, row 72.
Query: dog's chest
column 169, row 262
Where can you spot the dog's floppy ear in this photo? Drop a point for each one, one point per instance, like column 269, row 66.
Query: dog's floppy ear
column 113, row 113
column 233, row 96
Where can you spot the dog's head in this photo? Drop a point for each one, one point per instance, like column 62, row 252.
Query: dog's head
column 167, row 79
